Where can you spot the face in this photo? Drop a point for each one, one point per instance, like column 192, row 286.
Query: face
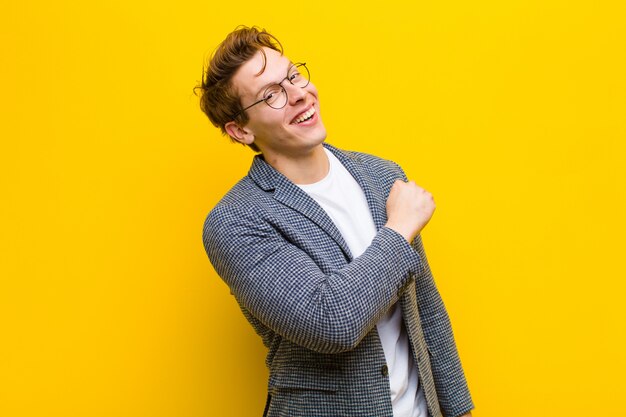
column 278, row 133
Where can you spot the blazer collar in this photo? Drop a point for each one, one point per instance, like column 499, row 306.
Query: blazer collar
column 289, row 194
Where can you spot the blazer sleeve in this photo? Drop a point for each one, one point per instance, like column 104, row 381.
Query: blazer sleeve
column 280, row 285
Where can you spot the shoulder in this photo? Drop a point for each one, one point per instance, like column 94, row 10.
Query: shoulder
column 242, row 217
column 243, row 199
column 244, row 192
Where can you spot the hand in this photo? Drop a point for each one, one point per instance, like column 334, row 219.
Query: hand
column 409, row 209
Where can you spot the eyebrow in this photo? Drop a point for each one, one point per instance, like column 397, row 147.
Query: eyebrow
column 262, row 89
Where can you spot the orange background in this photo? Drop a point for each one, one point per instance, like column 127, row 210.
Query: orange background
column 510, row 113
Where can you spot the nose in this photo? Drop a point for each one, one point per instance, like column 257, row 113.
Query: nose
column 294, row 93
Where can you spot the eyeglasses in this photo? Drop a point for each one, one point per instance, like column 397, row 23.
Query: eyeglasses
column 275, row 95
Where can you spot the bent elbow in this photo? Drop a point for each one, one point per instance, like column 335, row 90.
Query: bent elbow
column 342, row 337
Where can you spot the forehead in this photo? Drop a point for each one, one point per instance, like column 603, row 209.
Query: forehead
column 249, row 79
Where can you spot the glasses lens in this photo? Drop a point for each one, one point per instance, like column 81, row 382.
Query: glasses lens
column 275, row 96
column 299, row 75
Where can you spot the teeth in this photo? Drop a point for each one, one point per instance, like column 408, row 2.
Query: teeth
column 305, row 116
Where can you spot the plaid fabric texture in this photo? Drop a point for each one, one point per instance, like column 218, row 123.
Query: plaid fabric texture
column 316, row 308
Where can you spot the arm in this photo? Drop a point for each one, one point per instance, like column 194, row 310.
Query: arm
column 283, row 288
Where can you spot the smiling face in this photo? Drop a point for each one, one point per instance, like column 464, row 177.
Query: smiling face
column 290, row 132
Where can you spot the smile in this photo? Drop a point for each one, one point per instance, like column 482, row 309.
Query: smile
column 303, row 117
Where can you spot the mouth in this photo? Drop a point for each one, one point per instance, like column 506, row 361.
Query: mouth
column 304, row 116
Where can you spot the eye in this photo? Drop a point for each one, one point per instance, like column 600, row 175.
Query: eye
column 272, row 93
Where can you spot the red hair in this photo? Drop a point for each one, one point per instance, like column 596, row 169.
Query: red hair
column 218, row 99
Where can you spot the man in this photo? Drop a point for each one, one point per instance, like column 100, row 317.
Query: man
column 321, row 249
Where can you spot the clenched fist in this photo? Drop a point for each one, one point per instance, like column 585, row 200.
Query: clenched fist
column 409, row 208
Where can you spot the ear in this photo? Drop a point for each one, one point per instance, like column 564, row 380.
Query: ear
column 239, row 133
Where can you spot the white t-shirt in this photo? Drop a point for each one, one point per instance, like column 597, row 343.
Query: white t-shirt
column 344, row 201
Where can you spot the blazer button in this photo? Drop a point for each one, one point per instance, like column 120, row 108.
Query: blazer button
column 384, row 370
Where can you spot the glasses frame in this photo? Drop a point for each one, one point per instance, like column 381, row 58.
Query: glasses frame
column 297, row 65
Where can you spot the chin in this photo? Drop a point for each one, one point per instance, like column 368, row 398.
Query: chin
column 322, row 134
column 319, row 137
column 320, row 131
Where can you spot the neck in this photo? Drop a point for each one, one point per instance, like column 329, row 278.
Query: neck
column 305, row 168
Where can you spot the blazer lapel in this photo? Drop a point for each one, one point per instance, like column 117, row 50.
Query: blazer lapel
column 376, row 196
column 373, row 190
column 290, row 195
column 413, row 325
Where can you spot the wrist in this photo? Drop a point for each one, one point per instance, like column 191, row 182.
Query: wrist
column 407, row 233
column 399, row 230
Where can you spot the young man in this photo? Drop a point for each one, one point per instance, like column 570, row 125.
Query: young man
column 321, row 249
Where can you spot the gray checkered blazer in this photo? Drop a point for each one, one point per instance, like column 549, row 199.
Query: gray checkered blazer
column 316, row 307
